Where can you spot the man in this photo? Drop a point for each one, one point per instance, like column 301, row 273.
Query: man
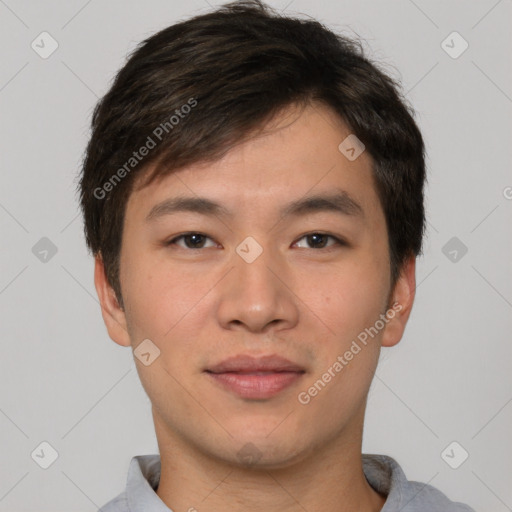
column 253, row 196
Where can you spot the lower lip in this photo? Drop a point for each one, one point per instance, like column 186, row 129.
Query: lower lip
column 256, row 386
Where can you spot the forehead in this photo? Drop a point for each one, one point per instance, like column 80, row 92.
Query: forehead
column 296, row 155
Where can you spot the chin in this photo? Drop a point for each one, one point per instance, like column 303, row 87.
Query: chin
column 262, row 451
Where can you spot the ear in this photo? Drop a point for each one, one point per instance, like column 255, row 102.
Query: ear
column 402, row 298
column 113, row 316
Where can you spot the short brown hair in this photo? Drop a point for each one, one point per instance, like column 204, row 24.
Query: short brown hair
column 206, row 83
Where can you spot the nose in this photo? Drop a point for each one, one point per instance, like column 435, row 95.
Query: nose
column 258, row 296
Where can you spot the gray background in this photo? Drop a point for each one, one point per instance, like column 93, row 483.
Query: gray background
column 65, row 382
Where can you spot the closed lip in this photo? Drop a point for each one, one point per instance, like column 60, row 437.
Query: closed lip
column 247, row 363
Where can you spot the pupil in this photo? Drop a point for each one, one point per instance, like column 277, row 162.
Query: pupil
column 195, row 240
column 316, row 236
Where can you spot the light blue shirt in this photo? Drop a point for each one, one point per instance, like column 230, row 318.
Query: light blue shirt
column 382, row 472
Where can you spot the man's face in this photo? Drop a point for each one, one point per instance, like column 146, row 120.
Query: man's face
column 257, row 282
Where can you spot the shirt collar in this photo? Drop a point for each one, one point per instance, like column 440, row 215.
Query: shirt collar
column 142, row 482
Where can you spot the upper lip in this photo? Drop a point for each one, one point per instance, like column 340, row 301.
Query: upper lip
column 246, row 363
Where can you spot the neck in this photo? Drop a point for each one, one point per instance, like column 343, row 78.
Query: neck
column 330, row 478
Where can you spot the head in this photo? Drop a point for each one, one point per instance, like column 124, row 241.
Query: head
column 250, row 110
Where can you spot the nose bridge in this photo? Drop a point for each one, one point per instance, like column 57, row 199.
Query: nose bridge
column 254, row 295
column 253, row 264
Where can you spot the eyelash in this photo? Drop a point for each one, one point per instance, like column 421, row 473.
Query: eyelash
column 338, row 241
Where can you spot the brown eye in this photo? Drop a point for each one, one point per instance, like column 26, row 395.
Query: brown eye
column 191, row 240
column 320, row 240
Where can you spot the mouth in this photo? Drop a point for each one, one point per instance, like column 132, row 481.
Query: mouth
column 255, row 378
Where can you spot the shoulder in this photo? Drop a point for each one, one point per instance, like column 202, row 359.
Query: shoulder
column 424, row 497
column 386, row 476
column 117, row 504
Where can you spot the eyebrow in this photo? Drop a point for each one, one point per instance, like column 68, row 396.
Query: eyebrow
column 339, row 202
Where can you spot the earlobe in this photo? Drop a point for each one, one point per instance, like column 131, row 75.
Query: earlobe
column 113, row 315
column 402, row 300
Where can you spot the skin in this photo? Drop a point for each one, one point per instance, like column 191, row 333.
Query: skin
column 303, row 299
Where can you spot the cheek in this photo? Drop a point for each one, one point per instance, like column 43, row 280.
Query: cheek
column 349, row 300
column 166, row 304
column 150, row 295
column 348, row 354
